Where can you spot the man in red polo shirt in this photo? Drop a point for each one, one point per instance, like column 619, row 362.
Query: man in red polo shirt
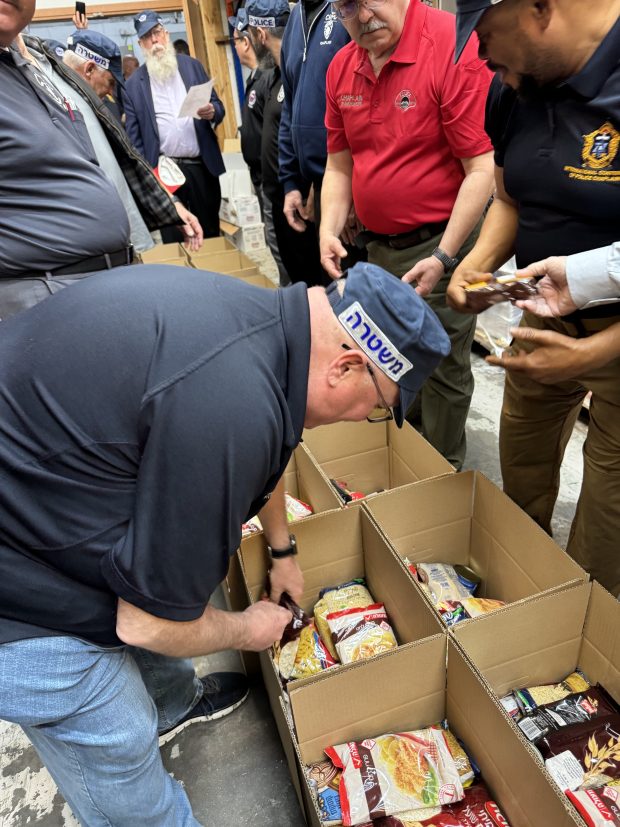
column 406, row 144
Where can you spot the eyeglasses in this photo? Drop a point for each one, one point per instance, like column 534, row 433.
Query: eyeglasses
column 157, row 31
column 347, row 9
column 383, row 411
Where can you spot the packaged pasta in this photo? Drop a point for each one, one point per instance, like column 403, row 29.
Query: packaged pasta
column 395, row 773
column 457, row 751
column 532, row 697
column 443, row 582
column 599, row 807
column 311, row 656
column 349, row 595
column 584, row 756
column 359, row 634
column 477, row 606
column 574, row 709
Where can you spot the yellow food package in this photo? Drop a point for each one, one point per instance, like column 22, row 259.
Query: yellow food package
column 359, row 634
column 311, row 656
column 352, row 595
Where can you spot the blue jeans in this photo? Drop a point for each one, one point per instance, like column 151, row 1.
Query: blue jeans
column 93, row 715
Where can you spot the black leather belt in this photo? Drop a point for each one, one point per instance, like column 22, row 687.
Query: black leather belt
column 400, row 241
column 87, row 265
column 196, row 160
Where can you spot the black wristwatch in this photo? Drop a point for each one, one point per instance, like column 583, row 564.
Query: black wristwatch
column 448, row 262
column 279, row 553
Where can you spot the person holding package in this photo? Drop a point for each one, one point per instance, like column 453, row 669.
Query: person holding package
column 129, row 465
column 407, row 147
column 152, row 98
column 553, row 114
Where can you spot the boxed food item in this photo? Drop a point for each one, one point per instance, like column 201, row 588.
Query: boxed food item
column 236, row 181
column 465, row 520
column 386, row 705
column 243, row 211
column 367, row 457
column 550, row 646
column 248, row 238
column 164, row 254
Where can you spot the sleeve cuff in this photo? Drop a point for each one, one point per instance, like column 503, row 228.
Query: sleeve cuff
column 589, row 279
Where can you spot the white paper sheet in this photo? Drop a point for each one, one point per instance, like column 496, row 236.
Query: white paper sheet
column 196, row 98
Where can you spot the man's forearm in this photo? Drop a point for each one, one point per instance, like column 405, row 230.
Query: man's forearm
column 273, row 518
column 473, row 196
column 213, row 631
column 336, row 197
column 496, row 241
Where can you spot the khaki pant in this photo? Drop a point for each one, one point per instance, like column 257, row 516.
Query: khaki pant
column 443, row 403
column 536, row 423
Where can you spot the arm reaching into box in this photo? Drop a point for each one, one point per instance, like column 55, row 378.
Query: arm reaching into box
column 285, row 574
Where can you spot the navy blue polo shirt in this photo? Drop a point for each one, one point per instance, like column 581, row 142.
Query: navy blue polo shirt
column 145, row 413
column 561, row 157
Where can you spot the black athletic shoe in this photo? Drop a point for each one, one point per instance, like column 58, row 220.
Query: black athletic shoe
column 223, row 693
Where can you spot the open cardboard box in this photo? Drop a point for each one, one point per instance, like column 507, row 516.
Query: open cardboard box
column 411, row 688
column 163, row 254
column 225, row 261
column 219, row 244
column 335, row 547
column 376, row 456
column 464, row 518
column 545, row 640
column 252, row 275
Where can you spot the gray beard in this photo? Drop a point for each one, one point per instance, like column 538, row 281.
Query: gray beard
column 162, row 66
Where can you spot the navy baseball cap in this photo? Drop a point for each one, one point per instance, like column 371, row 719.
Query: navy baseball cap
column 239, row 21
column 97, row 47
column 145, row 21
column 56, row 46
column 468, row 14
column 267, row 14
column 394, row 327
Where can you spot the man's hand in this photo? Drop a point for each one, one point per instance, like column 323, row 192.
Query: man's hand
column 80, row 21
column 286, row 576
column 332, row 253
column 191, row 229
column 351, row 229
column 554, row 298
column 265, row 624
column 462, row 278
column 556, row 358
column 295, row 211
column 426, row 273
column 207, row 113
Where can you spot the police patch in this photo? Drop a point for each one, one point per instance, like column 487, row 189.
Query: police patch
column 328, row 28
column 405, row 100
column 373, row 341
column 598, row 153
column 251, row 98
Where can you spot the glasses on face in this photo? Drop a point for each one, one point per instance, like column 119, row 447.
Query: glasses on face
column 157, row 32
column 382, row 412
column 347, row 9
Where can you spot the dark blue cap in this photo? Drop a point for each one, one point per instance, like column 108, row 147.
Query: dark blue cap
column 267, row 14
column 394, row 327
column 56, row 46
column 145, row 21
column 240, row 21
column 468, row 14
column 92, row 45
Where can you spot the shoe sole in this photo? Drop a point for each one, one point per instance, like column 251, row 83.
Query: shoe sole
column 221, row 713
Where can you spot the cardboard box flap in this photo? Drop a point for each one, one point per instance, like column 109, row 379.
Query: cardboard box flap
column 509, row 769
column 600, row 651
column 162, row 253
column 212, row 245
column 412, row 457
column 497, row 520
column 529, row 643
column 343, row 439
column 312, row 487
column 371, row 698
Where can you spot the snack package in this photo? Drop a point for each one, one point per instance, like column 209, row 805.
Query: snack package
column 599, row 807
column 477, row 606
column 296, row 509
column 395, row 773
column 311, row 655
column 443, row 582
column 324, row 781
column 574, row 709
column 509, row 702
column 351, row 595
column 344, row 493
column 532, row 697
column 457, row 751
column 359, row 634
column 451, row 612
column 584, row 756
column 483, row 294
column 253, row 526
column 477, row 809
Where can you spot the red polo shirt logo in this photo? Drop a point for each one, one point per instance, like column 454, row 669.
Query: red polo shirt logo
column 405, row 100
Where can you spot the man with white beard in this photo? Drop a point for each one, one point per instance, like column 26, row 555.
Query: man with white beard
column 153, row 96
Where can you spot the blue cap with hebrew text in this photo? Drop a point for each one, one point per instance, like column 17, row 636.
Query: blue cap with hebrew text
column 103, row 51
column 394, row 327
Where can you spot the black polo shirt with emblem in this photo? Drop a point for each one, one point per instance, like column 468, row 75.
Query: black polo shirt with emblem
column 57, row 206
column 252, row 124
column 561, row 157
column 128, row 459
column 272, row 112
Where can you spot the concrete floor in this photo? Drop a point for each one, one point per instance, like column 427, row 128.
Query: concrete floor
column 234, row 770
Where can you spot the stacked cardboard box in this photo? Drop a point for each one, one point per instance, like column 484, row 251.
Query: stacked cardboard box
column 239, row 209
column 219, row 255
column 166, row 254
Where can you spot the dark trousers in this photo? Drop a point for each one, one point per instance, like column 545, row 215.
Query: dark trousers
column 201, row 195
column 299, row 251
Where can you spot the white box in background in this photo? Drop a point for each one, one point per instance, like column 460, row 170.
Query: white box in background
column 236, row 181
column 243, row 211
column 247, row 239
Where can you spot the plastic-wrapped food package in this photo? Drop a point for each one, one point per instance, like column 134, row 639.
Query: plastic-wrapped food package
column 443, row 582
column 584, row 756
column 599, row 807
column 477, row 606
column 351, row 595
column 574, row 709
column 296, row 509
column 395, row 773
column 359, row 634
column 532, row 697
column 477, row 809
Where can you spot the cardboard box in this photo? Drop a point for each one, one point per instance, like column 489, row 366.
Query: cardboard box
column 464, row 518
column 374, row 457
column 163, row 254
column 226, row 261
column 236, row 181
column 212, row 245
column 545, row 640
column 335, row 547
column 242, row 212
column 247, row 239
column 411, row 688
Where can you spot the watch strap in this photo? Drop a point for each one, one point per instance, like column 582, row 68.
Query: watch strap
column 449, row 263
column 280, row 553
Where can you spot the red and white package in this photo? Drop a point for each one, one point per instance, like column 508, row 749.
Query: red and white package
column 362, row 633
column 599, row 807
